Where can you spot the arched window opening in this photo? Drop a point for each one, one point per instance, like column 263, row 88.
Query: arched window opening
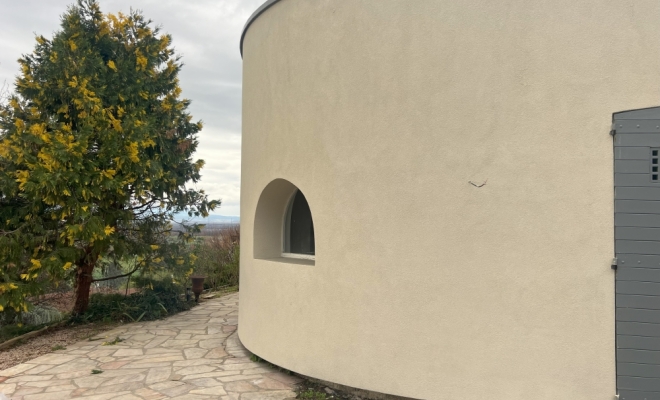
column 299, row 228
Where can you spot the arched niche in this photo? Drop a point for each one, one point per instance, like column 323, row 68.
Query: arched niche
column 283, row 224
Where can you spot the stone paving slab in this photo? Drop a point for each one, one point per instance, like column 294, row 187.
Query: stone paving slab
column 193, row 355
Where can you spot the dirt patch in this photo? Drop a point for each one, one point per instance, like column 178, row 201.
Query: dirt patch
column 309, row 390
column 49, row 341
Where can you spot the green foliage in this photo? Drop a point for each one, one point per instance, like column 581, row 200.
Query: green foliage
column 14, row 324
column 96, row 151
column 11, row 331
column 41, row 315
column 218, row 257
column 157, row 299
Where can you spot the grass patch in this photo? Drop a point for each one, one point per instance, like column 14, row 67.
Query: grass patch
column 58, row 347
column 309, row 390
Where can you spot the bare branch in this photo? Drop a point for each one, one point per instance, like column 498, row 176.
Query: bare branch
column 4, row 93
column 117, row 277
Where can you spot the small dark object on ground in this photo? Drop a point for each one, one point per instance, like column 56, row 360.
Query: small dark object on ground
column 197, row 286
column 96, row 371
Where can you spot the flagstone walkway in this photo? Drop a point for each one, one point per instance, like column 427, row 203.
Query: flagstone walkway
column 192, row 355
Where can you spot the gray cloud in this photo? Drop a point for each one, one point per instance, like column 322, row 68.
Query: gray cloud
column 205, row 32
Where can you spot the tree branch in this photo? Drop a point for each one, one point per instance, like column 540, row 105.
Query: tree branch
column 116, row 277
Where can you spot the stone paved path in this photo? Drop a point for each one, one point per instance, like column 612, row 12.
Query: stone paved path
column 191, row 355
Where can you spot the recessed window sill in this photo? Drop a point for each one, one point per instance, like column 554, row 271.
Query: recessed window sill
column 299, row 256
column 292, row 260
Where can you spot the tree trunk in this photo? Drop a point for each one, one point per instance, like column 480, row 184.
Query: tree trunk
column 83, row 283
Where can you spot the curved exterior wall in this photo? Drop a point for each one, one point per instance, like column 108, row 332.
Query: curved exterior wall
column 424, row 285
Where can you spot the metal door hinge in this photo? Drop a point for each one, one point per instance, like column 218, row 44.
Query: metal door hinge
column 613, row 131
column 615, row 263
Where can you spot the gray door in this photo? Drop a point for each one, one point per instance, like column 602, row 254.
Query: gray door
column 637, row 248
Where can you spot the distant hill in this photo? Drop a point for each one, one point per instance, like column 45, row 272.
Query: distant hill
column 211, row 219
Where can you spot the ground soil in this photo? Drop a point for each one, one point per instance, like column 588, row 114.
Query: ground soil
column 309, row 390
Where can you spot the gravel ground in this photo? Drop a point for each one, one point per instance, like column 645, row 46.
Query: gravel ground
column 42, row 344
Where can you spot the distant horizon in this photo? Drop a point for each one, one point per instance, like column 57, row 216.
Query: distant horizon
column 211, row 217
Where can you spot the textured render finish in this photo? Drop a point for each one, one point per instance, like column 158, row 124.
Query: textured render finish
column 381, row 111
column 268, row 4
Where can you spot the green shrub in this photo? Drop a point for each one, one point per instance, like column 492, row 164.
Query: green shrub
column 218, row 257
column 41, row 315
column 156, row 300
column 14, row 330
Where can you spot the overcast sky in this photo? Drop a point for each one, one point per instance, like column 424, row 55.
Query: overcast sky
column 205, row 32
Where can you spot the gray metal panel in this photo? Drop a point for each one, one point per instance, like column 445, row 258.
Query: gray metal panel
column 638, row 395
column 637, row 247
column 638, row 261
column 645, row 384
column 638, row 356
column 641, row 370
column 642, row 113
column 638, row 288
column 637, row 139
column 638, row 329
column 631, row 153
column 636, row 233
column 632, row 167
column 644, row 180
column 637, row 301
column 637, row 126
column 639, row 274
column 638, row 342
column 637, row 207
column 637, row 193
column 638, row 315
column 641, row 220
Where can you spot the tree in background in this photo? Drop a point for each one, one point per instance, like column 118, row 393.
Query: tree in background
column 219, row 255
column 4, row 92
column 95, row 155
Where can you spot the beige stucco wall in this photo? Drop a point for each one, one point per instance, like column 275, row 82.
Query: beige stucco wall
column 381, row 111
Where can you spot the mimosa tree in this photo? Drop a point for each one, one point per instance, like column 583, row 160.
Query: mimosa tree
column 96, row 153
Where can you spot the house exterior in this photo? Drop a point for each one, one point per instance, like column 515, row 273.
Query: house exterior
column 428, row 196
